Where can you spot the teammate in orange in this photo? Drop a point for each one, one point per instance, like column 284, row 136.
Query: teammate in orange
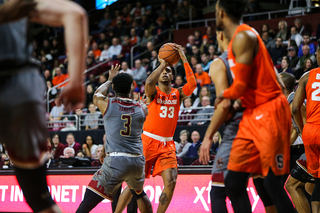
column 262, row 144
column 309, row 88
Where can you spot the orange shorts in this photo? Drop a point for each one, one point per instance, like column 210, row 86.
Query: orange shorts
column 311, row 141
column 263, row 139
column 159, row 155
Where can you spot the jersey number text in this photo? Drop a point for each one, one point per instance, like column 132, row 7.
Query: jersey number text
column 127, row 125
column 164, row 112
column 315, row 97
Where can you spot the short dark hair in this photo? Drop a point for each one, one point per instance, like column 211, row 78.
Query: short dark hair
column 234, row 8
column 122, row 83
column 289, row 80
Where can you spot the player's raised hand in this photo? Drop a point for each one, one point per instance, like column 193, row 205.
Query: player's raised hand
column 204, row 157
column 73, row 96
column 162, row 61
column 113, row 72
column 179, row 48
column 16, row 9
column 143, row 103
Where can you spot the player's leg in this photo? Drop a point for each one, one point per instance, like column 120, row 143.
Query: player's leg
column 218, row 199
column 263, row 194
column 315, row 197
column 309, row 187
column 124, row 200
column 143, row 201
column 116, row 199
column 236, row 184
column 295, row 189
column 90, row 200
column 23, row 130
column 169, row 177
column 121, row 200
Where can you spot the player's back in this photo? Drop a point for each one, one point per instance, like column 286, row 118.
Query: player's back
column 123, row 122
column 263, row 84
column 313, row 97
column 163, row 113
column 15, row 49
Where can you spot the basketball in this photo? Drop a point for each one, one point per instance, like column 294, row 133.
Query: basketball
column 169, row 54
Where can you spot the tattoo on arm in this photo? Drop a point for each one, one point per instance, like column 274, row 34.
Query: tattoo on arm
column 163, row 198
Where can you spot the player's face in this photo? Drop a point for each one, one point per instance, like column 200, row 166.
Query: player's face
column 166, row 75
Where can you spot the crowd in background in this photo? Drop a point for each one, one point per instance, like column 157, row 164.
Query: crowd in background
column 292, row 48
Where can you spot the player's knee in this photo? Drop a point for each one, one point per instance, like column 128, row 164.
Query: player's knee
column 138, row 195
column 170, row 183
column 291, row 184
column 234, row 183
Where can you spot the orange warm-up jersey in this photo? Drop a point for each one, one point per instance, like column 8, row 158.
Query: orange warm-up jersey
column 263, row 84
column 313, row 97
column 163, row 113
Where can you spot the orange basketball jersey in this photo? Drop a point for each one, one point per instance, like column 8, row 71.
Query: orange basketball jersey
column 163, row 113
column 263, row 84
column 313, row 97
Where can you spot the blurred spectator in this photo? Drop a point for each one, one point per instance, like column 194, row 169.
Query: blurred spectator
column 105, row 53
column 91, row 41
column 125, row 15
column 204, row 48
column 216, row 142
column 89, row 147
column 253, row 7
column 105, row 22
column 57, row 147
column 205, row 62
column 145, row 24
column 153, row 62
column 59, row 78
column 118, row 31
column 307, row 66
column 196, row 143
column 293, row 58
column 164, row 12
column 71, row 143
column 151, row 16
column 56, row 49
column 102, row 79
column 89, row 95
column 202, row 77
column 93, row 82
column 146, row 38
column 138, row 11
column 186, row 7
column 96, row 51
column 265, row 28
column 191, row 42
column 53, row 92
column 139, row 73
column 187, row 113
column 68, row 152
column 193, row 63
column 268, row 42
column 283, row 30
column 147, row 56
column 299, row 26
column 46, row 46
column 177, row 14
column 57, row 110
column 211, row 36
column 198, row 38
column 80, row 154
column 285, row 66
column 47, row 75
column 278, row 52
column 159, row 29
column 99, row 151
column 125, row 68
column 135, row 39
column 196, row 52
column 183, row 146
column 212, row 52
column 203, row 116
column 295, row 35
column 306, row 55
column 178, row 82
column 91, row 119
column 135, row 94
column 115, row 49
column 306, row 41
column 102, row 40
column 204, row 91
column 125, row 51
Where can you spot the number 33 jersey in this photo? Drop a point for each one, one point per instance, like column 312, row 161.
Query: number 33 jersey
column 163, row 113
column 313, row 97
column 123, row 122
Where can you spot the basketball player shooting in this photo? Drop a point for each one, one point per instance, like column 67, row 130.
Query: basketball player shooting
column 22, row 123
column 262, row 144
column 158, row 130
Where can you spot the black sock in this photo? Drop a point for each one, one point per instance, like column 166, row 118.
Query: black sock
column 90, row 201
column 316, row 191
column 115, row 200
column 218, row 200
column 33, row 183
column 236, row 188
column 262, row 192
column 275, row 188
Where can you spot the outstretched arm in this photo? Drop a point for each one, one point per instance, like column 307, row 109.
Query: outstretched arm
column 150, row 86
column 298, row 100
column 16, row 9
column 74, row 19
column 220, row 80
column 99, row 98
column 191, row 84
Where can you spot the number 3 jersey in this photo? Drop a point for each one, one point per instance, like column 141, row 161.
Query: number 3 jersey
column 163, row 113
column 313, row 97
column 123, row 122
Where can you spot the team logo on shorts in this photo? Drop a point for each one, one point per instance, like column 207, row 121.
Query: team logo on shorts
column 219, row 162
column 279, row 160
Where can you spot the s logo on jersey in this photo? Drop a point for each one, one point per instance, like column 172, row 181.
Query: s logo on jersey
column 169, row 102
